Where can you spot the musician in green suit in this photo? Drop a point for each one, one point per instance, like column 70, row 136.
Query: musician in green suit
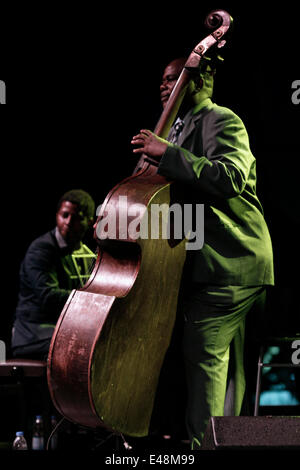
column 209, row 159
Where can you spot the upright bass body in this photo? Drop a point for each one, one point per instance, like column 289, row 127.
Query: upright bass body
column 110, row 341
column 111, row 338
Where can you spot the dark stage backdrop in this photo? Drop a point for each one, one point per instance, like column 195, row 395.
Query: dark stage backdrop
column 81, row 81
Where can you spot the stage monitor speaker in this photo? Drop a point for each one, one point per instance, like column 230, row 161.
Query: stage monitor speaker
column 252, row 432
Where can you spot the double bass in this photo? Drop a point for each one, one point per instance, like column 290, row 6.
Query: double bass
column 110, row 340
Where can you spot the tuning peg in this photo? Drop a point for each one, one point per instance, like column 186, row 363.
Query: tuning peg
column 221, row 43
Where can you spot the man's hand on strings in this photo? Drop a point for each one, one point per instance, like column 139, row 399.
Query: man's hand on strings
column 149, row 143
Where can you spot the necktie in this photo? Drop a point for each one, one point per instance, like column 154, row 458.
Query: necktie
column 177, row 129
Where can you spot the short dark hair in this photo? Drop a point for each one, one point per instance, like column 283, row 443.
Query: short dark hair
column 82, row 199
column 209, row 64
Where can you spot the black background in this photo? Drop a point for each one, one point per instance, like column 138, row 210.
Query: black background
column 81, row 80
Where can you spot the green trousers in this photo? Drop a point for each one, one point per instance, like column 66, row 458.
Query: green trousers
column 214, row 323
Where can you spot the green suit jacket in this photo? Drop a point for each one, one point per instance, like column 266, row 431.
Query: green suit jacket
column 212, row 163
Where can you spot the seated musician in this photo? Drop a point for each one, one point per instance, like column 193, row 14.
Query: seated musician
column 55, row 263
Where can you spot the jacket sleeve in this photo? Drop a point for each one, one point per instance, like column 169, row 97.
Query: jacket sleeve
column 223, row 168
column 41, row 277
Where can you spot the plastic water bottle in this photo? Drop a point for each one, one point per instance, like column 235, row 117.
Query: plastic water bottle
column 38, row 434
column 20, row 441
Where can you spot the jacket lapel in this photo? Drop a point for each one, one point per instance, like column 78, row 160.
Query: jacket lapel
column 188, row 128
column 191, row 120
